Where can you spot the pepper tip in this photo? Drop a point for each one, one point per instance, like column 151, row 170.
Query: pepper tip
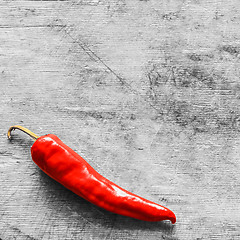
column 172, row 218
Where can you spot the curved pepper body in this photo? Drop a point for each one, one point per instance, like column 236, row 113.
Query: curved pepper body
column 64, row 165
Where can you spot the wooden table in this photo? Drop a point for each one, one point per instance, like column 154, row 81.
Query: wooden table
column 148, row 92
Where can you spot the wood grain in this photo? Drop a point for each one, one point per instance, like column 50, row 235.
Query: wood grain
column 147, row 92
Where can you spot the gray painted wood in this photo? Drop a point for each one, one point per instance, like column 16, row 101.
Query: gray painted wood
column 146, row 91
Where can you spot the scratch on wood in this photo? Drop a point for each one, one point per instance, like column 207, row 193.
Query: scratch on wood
column 91, row 53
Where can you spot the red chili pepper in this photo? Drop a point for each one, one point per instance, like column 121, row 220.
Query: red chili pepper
column 64, row 165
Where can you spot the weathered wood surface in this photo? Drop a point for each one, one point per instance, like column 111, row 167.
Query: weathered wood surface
column 147, row 91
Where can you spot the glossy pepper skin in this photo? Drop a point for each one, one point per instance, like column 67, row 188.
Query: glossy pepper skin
column 68, row 168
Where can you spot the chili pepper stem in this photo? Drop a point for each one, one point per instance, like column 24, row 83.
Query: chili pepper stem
column 23, row 129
